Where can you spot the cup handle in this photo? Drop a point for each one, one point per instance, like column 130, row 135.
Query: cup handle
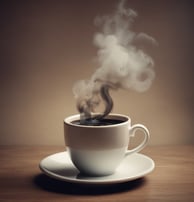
column 132, row 131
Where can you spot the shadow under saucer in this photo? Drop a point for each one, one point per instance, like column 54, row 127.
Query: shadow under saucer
column 52, row 185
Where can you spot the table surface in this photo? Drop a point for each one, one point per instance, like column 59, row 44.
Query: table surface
column 22, row 180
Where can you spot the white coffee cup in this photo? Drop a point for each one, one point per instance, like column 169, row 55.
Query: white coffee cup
column 99, row 150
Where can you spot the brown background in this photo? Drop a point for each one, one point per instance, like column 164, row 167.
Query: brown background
column 46, row 46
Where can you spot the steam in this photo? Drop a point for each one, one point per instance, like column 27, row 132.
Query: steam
column 121, row 63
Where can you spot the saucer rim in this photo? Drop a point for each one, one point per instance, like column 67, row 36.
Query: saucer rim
column 93, row 181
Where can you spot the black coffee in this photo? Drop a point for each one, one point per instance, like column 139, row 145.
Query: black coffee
column 95, row 122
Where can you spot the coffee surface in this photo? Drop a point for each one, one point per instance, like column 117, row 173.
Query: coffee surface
column 102, row 122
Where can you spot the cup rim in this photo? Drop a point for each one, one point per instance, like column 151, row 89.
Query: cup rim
column 126, row 119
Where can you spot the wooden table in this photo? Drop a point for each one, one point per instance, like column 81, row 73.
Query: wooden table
column 21, row 180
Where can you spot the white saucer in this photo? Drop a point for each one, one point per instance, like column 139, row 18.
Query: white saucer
column 59, row 166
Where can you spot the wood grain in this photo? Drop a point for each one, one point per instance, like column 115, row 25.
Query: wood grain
column 21, row 179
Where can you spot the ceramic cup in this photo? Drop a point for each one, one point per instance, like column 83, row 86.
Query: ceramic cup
column 98, row 150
